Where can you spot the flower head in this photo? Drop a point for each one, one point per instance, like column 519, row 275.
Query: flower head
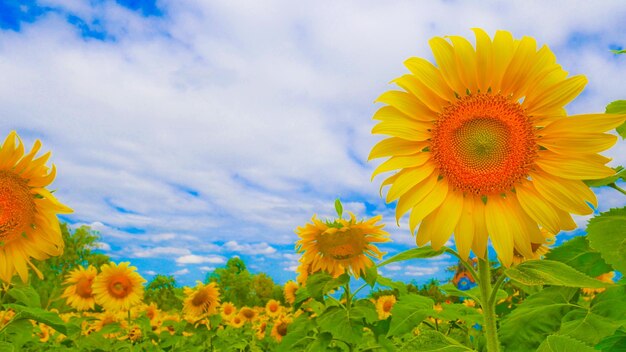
column 384, row 305
column 118, row 287
column 201, row 300
column 29, row 227
column 79, row 293
column 340, row 246
column 484, row 147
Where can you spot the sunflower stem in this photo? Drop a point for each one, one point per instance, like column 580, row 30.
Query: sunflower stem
column 617, row 188
column 489, row 311
column 465, row 263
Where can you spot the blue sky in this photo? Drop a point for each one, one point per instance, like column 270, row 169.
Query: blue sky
column 187, row 132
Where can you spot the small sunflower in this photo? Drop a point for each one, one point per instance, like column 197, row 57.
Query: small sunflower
column 237, row 321
column 79, row 294
column 384, row 305
column 29, row 227
column 273, row 308
column 247, row 314
column 290, row 291
column 606, row 277
column 118, row 287
column 279, row 329
column 201, row 300
column 484, row 146
column 340, row 246
column 259, row 330
column 228, row 310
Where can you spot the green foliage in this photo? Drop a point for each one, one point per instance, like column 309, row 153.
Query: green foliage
column 162, row 290
column 548, row 272
column 606, row 235
column 408, row 312
column 413, row 253
column 433, row 341
column 577, row 254
column 558, row 343
column 613, row 343
column 618, row 107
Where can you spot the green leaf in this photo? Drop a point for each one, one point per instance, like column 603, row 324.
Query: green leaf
column 320, row 343
column 397, row 285
column 371, row 274
column 605, row 315
column 338, row 207
column 43, row 316
column 623, row 51
column 537, row 317
column 297, row 335
column 408, row 312
column 556, row 343
column 25, row 295
column 618, row 107
column 620, row 173
column 607, row 235
column 549, row 272
column 321, row 283
column 433, row 341
column 364, row 309
column 413, row 253
column 452, row 290
column 614, row 343
column 453, row 312
column 336, row 321
column 577, row 254
column 6, row 347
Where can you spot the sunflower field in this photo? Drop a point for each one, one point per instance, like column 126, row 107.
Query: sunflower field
column 480, row 149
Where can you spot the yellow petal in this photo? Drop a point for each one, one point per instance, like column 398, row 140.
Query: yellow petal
column 404, row 130
column 578, row 143
column 428, row 204
column 543, row 65
column 481, row 237
column 407, row 104
column 556, row 96
column 586, row 123
column 466, row 59
column 539, row 209
column 499, row 226
column 415, row 195
column 401, row 162
column 571, row 166
column 395, row 146
column 446, row 61
column 428, row 74
column 464, row 231
column 568, row 195
column 503, row 48
column 407, row 179
column 518, row 69
column 439, row 225
column 484, row 59
column 423, row 93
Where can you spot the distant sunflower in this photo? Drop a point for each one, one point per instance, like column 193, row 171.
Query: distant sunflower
column 279, row 329
column 247, row 314
column 228, row 310
column 79, row 293
column 237, row 321
column 340, row 246
column 201, row 300
column 118, row 287
column 484, row 146
column 273, row 308
column 29, row 227
column 384, row 305
column 290, row 291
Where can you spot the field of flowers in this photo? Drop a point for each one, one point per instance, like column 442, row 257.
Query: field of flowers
column 481, row 149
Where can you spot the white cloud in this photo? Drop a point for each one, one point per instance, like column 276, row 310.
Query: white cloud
column 150, row 272
column 102, row 246
column 198, row 259
column 393, row 267
column 184, row 271
column 160, row 252
column 251, row 249
column 206, row 268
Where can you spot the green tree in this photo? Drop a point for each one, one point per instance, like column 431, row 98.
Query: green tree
column 162, row 290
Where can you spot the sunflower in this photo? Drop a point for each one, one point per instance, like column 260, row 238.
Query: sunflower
column 79, row 294
column 484, row 146
column 201, row 300
column 290, row 290
column 29, row 227
column 247, row 314
column 384, row 305
column 340, row 246
column 279, row 329
column 118, row 287
column 228, row 310
column 304, row 269
column 273, row 308
column 237, row 321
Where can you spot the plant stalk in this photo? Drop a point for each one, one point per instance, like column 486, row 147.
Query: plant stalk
column 489, row 308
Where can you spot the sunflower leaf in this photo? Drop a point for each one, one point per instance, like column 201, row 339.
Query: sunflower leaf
column 617, row 51
column 618, row 107
column 371, row 274
column 452, row 290
column 577, row 254
column 614, row 343
column 336, row 321
column 433, row 341
column 558, row 343
column 413, row 253
column 338, row 207
column 43, row 316
column 549, row 272
column 408, row 312
column 25, row 295
column 607, row 235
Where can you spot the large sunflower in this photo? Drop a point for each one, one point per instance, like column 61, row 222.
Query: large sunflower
column 29, row 227
column 118, row 287
column 341, row 246
column 201, row 300
column 484, row 147
column 79, row 293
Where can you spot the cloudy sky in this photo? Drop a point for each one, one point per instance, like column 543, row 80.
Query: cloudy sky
column 187, row 132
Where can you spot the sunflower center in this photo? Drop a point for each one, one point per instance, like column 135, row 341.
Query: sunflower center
column 83, row 288
column 281, row 329
column 273, row 307
column 387, row 306
column 342, row 245
column 484, row 144
column 17, row 206
column 228, row 310
column 200, row 298
column 120, row 287
column 247, row 313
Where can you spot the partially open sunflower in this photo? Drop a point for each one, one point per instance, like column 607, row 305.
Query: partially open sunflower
column 485, row 148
